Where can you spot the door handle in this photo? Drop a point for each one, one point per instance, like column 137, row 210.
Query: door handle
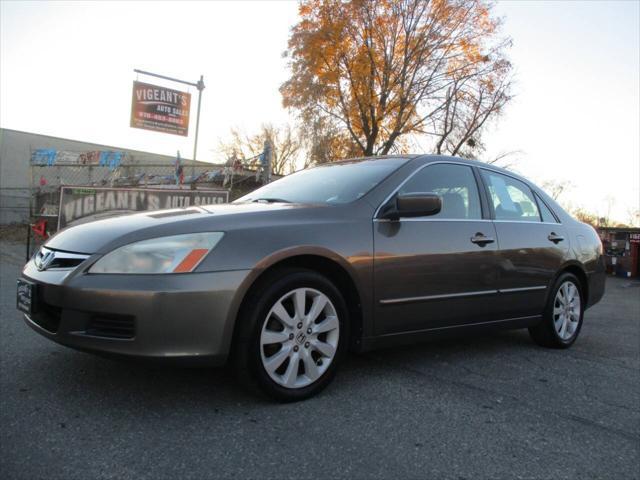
column 480, row 239
column 555, row 238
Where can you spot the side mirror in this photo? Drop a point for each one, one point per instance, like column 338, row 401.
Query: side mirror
column 412, row 205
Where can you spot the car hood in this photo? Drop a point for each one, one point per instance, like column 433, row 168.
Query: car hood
column 104, row 235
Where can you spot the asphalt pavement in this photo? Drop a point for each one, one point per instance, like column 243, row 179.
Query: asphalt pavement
column 493, row 407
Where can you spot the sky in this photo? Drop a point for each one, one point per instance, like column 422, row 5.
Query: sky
column 66, row 69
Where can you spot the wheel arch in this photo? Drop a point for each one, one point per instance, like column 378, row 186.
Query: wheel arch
column 322, row 261
column 576, row 269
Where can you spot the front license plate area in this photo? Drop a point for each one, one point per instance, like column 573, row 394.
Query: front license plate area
column 25, row 300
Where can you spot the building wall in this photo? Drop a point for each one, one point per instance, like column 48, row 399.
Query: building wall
column 622, row 250
column 16, row 173
column 14, row 177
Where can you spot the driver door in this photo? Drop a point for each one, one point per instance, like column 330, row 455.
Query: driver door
column 437, row 271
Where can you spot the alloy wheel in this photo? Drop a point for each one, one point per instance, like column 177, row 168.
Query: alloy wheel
column 299, row 338
column 566, row 310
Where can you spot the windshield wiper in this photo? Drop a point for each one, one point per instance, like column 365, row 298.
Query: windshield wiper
column 270, row 200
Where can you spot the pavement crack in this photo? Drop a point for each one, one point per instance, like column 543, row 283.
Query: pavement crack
column 473, row 372
column 533, row 407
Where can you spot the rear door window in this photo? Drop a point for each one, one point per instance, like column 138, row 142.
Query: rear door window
column 511, row 199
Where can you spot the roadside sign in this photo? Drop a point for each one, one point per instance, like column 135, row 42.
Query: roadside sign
column 160, row 109
column 85, row 204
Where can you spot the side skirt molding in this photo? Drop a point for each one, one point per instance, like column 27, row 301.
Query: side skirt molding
column 417, row 336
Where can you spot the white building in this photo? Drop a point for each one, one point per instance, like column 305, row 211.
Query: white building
column 18, row 177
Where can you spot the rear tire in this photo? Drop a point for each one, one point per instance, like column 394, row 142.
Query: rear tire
column 563, row 314
column 293, row 331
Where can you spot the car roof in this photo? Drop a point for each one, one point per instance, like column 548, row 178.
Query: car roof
column 432, row 158
column 426, row 158
column 375, row 157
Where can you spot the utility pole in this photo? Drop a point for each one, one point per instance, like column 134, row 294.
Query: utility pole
column 200, row 87
column 266, row 164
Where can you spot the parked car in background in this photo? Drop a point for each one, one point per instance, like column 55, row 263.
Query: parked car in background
column 356, row 255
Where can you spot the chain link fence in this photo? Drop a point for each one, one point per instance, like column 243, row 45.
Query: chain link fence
column 120, row 169
column 52, row 169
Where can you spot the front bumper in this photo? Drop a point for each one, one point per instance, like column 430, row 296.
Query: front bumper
column 187, row 317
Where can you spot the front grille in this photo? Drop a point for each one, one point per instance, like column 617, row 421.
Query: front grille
column 111, row 326
column 49, row 259
column 47, row 316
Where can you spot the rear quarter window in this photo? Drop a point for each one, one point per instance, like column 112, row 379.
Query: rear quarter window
column 545, row 213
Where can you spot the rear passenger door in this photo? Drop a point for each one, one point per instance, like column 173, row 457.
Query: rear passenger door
column 532, row 244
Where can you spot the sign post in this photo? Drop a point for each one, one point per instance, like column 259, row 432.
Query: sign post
column 158, row 92
column 200, row 87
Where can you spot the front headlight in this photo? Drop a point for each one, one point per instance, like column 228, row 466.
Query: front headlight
column 175, row 254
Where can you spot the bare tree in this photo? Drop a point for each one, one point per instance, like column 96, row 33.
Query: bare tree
column 325, row 141
column 286, row 144
column 555, row 188
column 470, row 102
column 585, row 216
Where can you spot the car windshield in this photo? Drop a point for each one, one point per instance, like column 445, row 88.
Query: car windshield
column 335, row 183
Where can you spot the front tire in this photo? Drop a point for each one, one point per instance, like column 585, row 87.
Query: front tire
column 293, row 335
column 563, row 314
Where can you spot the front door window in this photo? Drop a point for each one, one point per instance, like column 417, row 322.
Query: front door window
column 456, row 186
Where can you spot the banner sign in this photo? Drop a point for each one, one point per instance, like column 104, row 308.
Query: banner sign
column 48, row 157
column 85, row 204
column 160, row 109
column 634, row 237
